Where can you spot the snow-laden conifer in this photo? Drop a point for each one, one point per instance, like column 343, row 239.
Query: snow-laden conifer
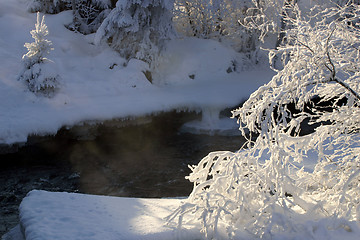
column 38, row 72
column 287, row 182
column 138, row 29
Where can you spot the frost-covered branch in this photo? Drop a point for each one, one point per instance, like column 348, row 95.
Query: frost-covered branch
column 216, row 19
column 270, row 187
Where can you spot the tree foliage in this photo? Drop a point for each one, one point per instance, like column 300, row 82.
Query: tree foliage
column 284, row 182
column 138, row 29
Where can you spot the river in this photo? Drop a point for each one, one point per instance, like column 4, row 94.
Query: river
column 141, row 157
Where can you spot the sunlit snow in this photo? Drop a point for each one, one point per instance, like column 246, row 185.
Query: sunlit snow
column 97, row 85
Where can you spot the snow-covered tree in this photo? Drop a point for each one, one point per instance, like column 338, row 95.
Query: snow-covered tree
column 216, row 19
column 201, row 18
column 48, row 6
column 88, row 14
column 266, row 16
column 138, row 29
column 284, row 181
column 38, row 72
column 269, row 16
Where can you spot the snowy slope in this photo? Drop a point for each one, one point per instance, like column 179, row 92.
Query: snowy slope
column 95, row 85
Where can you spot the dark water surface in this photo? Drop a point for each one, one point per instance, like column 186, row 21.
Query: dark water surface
column 145, row 157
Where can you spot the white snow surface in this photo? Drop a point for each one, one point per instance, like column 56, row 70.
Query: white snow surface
column 55, row 215
column 95, row 85
column 62, row 216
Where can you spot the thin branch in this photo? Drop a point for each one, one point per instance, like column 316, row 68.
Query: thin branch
column 306, row 46
column 345, row 85
column 333, row 71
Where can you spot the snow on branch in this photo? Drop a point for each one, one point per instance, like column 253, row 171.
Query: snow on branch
column 138, row 29
column 286, row 182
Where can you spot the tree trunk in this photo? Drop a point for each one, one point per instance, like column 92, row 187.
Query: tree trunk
column 283, row 24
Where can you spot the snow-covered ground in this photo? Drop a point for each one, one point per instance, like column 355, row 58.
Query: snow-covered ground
column 193, row 74
column 61, row 216
column 47, row 215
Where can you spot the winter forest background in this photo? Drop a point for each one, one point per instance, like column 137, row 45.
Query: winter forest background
column 283, row 180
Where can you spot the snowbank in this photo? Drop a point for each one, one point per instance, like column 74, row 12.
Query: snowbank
column 62, row 216
column 49, row 215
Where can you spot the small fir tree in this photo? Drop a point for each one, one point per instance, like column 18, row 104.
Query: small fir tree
column 38, row 72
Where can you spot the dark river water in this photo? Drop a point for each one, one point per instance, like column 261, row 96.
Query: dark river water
column 144, row 157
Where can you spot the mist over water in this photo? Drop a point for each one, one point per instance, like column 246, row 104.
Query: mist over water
column 147, row 160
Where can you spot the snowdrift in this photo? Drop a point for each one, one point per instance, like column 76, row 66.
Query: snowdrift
column 55, row 215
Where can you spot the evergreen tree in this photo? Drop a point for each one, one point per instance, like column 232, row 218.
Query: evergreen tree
column 138, row 29
column 38, row 72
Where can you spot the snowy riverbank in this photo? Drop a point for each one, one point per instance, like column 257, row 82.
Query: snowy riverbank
column 47, row 215
column 193, row 74
column 60, row 216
